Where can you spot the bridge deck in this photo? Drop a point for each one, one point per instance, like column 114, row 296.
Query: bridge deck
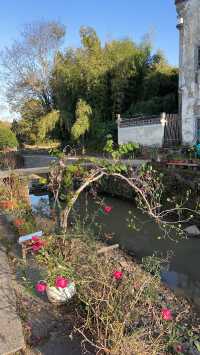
column 45, row 169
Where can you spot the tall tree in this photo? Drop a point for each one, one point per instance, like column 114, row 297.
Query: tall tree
column 28, row 64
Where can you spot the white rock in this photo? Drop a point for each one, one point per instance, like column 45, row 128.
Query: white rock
column 192, row 231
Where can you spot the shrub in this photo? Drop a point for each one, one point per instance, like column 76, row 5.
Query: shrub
column 120, row 308
column 7, row 138
column 11, row 160
column 14, row 189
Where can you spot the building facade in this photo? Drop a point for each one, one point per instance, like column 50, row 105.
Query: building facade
column 189, row 63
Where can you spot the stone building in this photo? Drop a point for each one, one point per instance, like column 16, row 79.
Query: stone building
column 189, row 63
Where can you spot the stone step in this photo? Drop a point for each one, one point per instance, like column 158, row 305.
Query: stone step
column 11, row 334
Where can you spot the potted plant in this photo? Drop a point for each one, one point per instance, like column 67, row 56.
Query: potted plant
column 59, row 289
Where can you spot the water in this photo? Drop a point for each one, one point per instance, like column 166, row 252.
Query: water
column 183, row 275
column 40, row 204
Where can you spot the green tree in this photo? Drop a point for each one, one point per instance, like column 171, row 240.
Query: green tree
column 25, row 128
column 7, row 138
column 46, row 125
column 82, row 122
column 119, row 77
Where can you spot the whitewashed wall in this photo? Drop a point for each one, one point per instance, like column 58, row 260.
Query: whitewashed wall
column 189, row 73
column 149, row 135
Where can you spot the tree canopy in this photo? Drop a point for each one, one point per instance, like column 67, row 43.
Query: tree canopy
column 119, row 77
column 29, row 62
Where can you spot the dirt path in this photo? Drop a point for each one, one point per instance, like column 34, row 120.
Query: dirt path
column 48, row 330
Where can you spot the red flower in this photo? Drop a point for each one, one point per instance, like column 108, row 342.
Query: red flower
column 38, row 243
column 41, row 287
column 107, row 209
column 179, row 349
column 117, row 275
column 61, row 282
column 166, row 314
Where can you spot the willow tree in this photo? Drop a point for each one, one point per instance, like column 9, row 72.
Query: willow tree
column 82, row 123
column 47, row 124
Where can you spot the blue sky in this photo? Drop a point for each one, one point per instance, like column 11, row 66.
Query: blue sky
column 111, row 19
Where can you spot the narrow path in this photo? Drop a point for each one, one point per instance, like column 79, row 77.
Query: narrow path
column 11, row 335
column 47, row 329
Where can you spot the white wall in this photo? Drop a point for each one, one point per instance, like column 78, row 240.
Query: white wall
column 189, row 78
column 149, row 135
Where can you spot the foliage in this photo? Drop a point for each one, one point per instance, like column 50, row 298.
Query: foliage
column 83, row 117
column 156, row 263
column 26, row 128
column 46, row 125
column 29, row 224
column 14, row 193
column 126, row 150
column 117, row 315
column 25, row 131
column 37, row 129
column 102, row 81
column 68, row 181
column 7, row 138
column 159, row 91
column 112, row 79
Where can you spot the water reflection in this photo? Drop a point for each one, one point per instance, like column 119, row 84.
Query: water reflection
column 183, row 285
column 40, row 204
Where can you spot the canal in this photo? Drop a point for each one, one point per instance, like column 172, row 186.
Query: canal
column 183, row 274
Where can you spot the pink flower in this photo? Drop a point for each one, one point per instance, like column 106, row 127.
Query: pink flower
column 107, row 209
column 179, row 349
column 41, row 286
column 166, row 314
column 61, row 282
column 35, row 238
column 117, row 275
column 38, row 243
